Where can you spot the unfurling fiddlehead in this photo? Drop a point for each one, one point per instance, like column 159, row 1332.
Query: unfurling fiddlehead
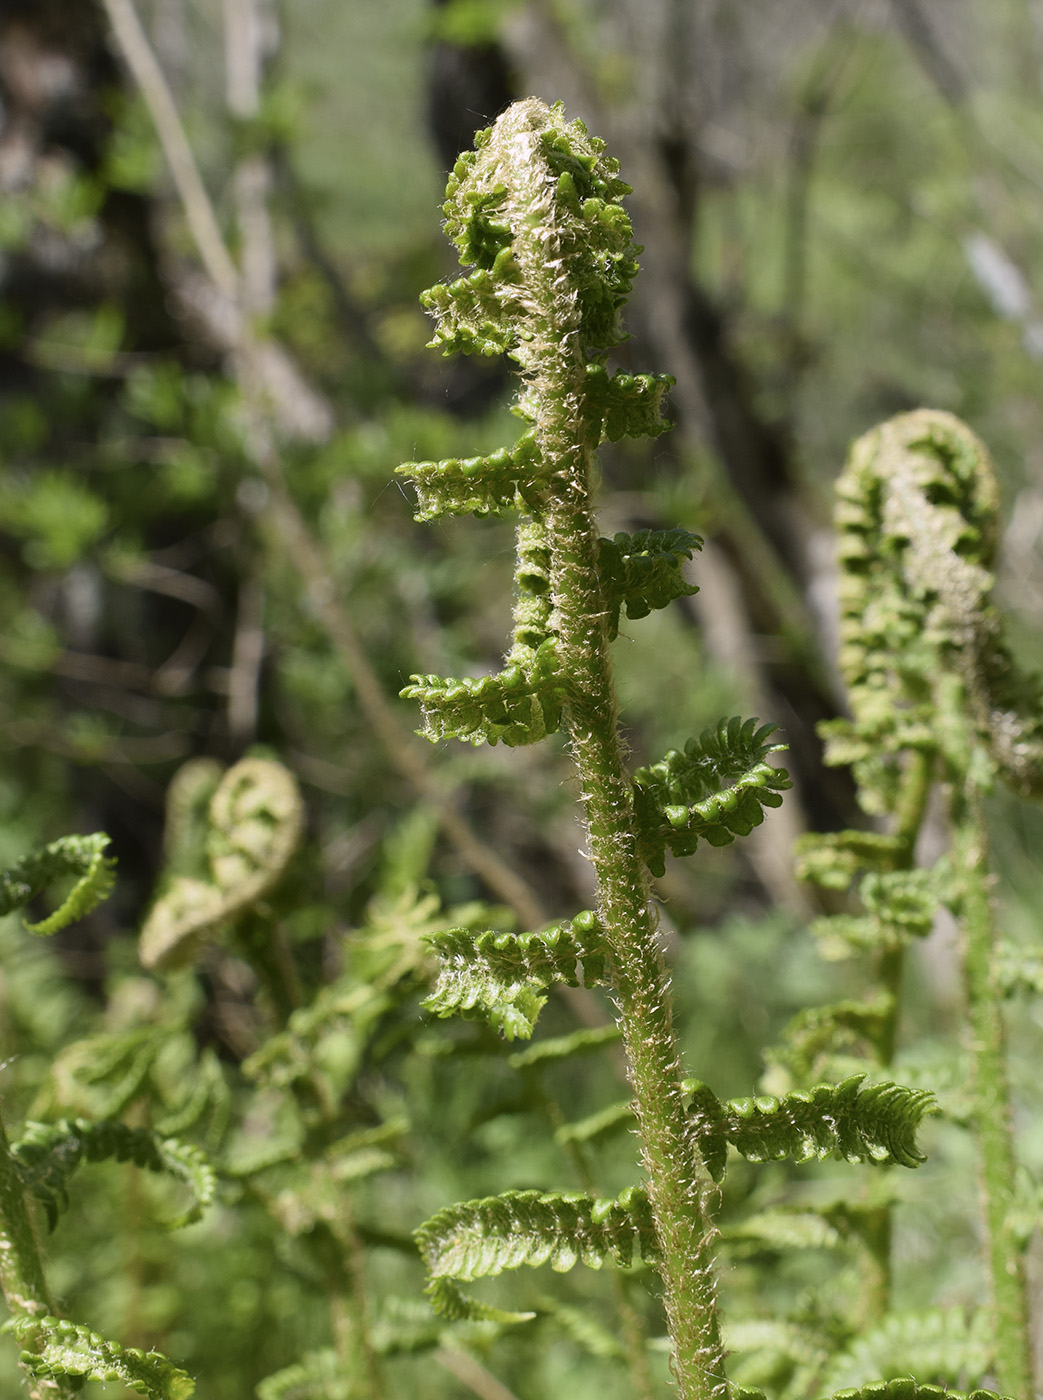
column 252, row 827
column 935, row 696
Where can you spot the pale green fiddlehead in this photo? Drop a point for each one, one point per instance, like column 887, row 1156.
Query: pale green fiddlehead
column 935, row 696
column 253, row 823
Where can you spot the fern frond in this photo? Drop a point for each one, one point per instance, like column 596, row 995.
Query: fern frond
column 874, row 1123
column 255, row 822
column 643, row 572
column 66, row 1349
column 512, row 479
column 520, row 705
column 713, row 790
column 502, row 977
column 906, row 1388
column 1018, row 969
column 942, row 1345
column 47, row 1154
column 82, row 857
column 482, row 1238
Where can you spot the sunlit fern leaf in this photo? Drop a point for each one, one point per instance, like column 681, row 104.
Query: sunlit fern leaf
column 511, row 479
column 713, row 790
column 906, row 1388
column 519, row 705
column 47, row 1154
column 861, row 1123
column 79, row 857
column 255, row 822
column 628, row 405
column 644, row 571
column 62, row 1348
column 482, row 1238
column 502, row 978
column 942, row 1345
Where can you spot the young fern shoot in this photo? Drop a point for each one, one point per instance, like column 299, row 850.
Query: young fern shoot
column 936, row 698
column 535, row 211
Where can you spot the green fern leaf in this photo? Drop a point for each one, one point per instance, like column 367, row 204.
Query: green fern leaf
column 82, row 857
column 906, row 1388
column 783, row 1230
column 820, row 1034
column 874, row 1123
column 502, row 977
column 942, row 1345
column 64, row 1349
column 48, row 1154
column 480, row 1239
column 511, row 479
column 643, row 572
column 520, row 705
column 713, row 790
column 628, row 405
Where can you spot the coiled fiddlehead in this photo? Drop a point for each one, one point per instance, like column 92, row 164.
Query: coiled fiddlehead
column 252, row 827
column 922, row 651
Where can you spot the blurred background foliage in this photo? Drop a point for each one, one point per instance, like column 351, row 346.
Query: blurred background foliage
column 841, row 207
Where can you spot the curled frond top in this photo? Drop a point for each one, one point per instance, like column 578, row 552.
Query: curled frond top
column 535, row 207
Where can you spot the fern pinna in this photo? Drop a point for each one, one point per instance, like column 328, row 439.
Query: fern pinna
column 536, row 214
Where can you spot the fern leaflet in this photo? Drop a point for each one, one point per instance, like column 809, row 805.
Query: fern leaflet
column 47, row 1154
column 713, row 790
column 643, row 572
column 482, row 1238
column 875, row 1123
column 66, row 1349
column 502, row 977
